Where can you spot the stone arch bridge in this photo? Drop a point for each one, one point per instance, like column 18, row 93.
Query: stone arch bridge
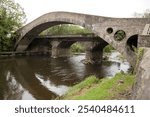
column 121, row 33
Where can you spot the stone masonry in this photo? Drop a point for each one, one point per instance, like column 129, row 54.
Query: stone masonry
column 105, row 27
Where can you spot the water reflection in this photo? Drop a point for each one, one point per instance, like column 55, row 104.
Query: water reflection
column 41, row 77
column 14, row 89
column 58, row 90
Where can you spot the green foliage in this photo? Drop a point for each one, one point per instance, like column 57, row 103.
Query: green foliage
column 108, row 49
column 84, row 84
column 118, row 87
column 119, row 35
column 11, row 18
column 64, row 29
column 139, row 53
column 77, row 48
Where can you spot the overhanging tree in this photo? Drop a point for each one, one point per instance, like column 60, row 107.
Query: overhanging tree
column 12, row 17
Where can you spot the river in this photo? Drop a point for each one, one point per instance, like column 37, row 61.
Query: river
column 45, row 78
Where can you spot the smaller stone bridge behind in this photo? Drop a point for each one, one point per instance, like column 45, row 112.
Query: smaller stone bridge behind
column 59, row 46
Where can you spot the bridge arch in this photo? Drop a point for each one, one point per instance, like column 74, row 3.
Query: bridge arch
column 31, row 30
column 104, row 27
column 132, row 42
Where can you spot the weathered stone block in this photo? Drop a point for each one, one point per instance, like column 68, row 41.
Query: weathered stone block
column 144, row 41
column 141, row 89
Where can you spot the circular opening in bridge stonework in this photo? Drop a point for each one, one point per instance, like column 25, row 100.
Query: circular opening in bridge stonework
column 119, row 35
column 109, row 30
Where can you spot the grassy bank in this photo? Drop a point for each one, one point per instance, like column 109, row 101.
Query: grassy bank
column 93, row 88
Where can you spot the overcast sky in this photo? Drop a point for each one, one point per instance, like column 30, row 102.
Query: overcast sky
column 110, row 8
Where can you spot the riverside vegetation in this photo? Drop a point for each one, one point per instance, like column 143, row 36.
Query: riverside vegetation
column 12, row 17
column 117, row 87
column 92, row 88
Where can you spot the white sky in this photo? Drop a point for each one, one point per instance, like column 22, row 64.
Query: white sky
column 110, row 8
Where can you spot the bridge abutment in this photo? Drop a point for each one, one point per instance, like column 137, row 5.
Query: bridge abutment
column 94, row 51
column 93, row 56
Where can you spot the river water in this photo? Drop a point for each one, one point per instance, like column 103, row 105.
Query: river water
column 42, row 77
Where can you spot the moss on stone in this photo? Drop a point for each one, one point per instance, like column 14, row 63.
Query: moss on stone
column 139, row 55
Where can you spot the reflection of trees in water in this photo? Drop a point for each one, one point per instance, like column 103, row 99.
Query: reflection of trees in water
column 13, row 90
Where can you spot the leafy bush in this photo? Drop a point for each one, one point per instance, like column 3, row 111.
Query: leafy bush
column 64, row 29
column 77, row 48
column 12, row 17
column 108, row 49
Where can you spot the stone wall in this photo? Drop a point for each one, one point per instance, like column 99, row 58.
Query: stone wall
column 40, row 45
column 144, row 41
column 141, row 89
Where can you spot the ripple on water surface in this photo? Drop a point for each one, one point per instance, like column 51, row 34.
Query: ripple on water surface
column 46, row 78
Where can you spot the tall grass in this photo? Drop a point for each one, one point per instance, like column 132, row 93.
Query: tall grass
column 92, row 88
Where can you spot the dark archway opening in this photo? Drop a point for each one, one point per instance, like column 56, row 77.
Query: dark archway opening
column 132, row 43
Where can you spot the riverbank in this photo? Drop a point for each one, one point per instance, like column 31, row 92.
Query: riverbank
column 119, row 87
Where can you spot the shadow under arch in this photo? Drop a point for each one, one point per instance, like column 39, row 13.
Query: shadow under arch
column 131, row 47
column 132, row 42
